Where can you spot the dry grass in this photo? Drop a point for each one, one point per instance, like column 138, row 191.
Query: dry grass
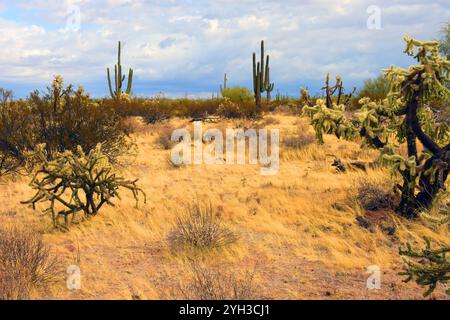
column 287, row 222
column 302, row 138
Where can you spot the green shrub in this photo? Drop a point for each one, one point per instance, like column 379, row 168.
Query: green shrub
column 64, row 119
column 376, row 89
column 238, row 94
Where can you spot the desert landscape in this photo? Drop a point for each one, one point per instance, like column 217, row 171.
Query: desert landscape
column 96, row 205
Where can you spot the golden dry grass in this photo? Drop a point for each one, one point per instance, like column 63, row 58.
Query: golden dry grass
column 300, row 245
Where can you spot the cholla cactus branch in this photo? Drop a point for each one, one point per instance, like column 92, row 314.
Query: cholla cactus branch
column 433, row 269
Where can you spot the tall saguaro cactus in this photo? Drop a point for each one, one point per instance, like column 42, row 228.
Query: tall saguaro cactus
column 224, row 87
column 119, row 78
column 261, row 77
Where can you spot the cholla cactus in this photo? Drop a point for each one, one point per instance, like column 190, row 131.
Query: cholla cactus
column 76, row 183
column 404, row 117
column 437, row 269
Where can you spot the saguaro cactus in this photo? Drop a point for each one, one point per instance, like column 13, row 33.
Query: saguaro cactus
column 224, row 87
column 261, row 77
column 119, row 78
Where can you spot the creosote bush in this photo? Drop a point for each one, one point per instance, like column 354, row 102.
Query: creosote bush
column 16, row 118
column 214, row 283
column 238, row 94
column 232, row 110
column 25, row 264
column 66, row 119
column 62, row 119
column 201, row 228
column 75, row 183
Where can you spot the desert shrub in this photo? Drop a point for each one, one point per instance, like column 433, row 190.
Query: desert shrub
column 373, row 196
column 25, row 264
column 164, row 137
column 238, row 94
column 301, row 139
column 65, row 119
column 376, row 89
column 444, row 42
column 76, row 183
column 218, row 284
column 231, row 110
column 154, row 111
column 201, row 228
column 269, row 121
column 188, row 108
column 16, row 135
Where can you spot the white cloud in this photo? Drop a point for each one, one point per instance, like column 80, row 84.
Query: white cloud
column 192, row 43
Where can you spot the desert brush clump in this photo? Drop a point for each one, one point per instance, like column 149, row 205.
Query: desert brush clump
column 231, row 110
column 372, row 195
column 217, row 283
column 403, row 118
column 238, row 94
column 16, row 118
column 66, row 118
column 201, row 228
column 25, row 263
column 76, row 182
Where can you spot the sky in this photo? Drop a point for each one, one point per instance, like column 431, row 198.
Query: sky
column 184, row 47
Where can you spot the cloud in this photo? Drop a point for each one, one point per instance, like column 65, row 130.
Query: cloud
column 186, row 46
